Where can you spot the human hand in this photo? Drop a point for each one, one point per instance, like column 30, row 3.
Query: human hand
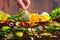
column 24, row 4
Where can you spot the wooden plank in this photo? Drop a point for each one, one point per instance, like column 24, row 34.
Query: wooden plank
column 13, row 7
column 6, row 6
column 10, row 7
column 49, row 5
column 1, row 4
column 29, row 8
column 40, row 6
column 58, row 2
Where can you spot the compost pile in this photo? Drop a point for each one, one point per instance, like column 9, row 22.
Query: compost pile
column 32, row 25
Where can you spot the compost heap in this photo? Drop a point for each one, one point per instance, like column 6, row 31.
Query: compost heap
column 32, row 24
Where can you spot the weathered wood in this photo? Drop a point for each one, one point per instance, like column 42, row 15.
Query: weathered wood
column 11, row 7
column 1, row 4
column 5, row 6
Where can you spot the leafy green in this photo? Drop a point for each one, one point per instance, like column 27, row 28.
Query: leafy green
column 49, row 29
column 16, row 16
column 55, row 13
column 13, row 17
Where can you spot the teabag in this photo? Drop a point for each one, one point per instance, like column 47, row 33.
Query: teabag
column 26, row 15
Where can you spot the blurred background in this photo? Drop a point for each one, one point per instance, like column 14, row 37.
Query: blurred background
column 37, row 6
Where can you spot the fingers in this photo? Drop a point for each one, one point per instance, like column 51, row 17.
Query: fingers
column 24, row 4
column 27, row 3
column 21, row 4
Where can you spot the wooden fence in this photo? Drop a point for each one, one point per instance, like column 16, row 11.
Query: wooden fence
column 11, row 7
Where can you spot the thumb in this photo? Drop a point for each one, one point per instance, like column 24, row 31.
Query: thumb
column 21, row 4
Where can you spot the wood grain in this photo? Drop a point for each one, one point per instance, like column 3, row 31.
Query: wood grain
column 11, row 7
column 1, row 4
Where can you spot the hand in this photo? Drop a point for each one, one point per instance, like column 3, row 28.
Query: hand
column 24, row 4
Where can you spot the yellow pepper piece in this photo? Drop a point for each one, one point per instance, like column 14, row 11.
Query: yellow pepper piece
column 5, row 28
column 3, row 15
column 34, row 17
column 44, row 16
column 19, row 34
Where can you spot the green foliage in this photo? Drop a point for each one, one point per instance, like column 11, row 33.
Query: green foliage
column 54, row 13
column 13, row 17
column 21, row 29
column 16, row 16
column 54, row 26
column 49, row 29
column 1, row 33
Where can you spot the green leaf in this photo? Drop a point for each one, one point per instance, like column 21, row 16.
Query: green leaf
column 20, row 14
column 54, row 27
column 12, row 17
column 55, row 13
column 21, row 29
column 1, row 33
column 49, row 29
column 16, row 16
